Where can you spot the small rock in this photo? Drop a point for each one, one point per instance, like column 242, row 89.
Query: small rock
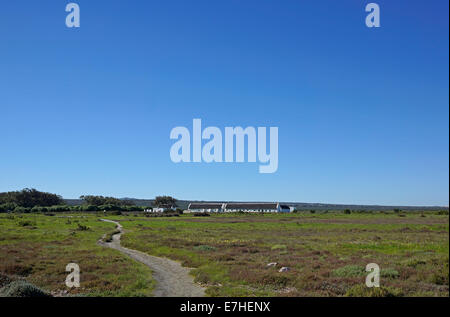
column 272, row 264
column 284, row 269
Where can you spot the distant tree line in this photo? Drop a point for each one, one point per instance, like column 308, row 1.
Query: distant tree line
column 29, row 198
column 100, row 200
column 32, row 200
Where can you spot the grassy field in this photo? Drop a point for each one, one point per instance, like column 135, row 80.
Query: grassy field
column 326, row 253
column 38, row 248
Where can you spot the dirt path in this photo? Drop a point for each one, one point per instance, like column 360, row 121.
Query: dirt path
column 173, row 280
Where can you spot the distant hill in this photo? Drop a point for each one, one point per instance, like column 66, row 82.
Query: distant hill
column 298, row 205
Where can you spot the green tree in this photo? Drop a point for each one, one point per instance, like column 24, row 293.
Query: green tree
column 165, row 202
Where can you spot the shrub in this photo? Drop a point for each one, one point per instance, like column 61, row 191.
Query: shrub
column 7, row 207
column 364, row 291
column 59, row 208
column 347, row 211
column 279, row 247
column 389, row 273
column 204, row 248
column 349, row 271
column 4, row 280
column 312, row 211
column 356, row 271
column 82, row 228
column 111, row 208
column 396, row 210
column 442, row 212
column 415, row 262
column 89, row 208
column 439, row 278
column 275, row 279
column 179, row 211
column 26, row 223
column 39, row 209
column 22, row 210
column 22, row 288
column 201, row 214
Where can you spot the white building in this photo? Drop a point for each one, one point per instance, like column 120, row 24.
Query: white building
column 156, row 210
column 235, row 207
column 206, row 207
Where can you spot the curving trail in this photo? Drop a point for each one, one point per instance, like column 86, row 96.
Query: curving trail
column 173, row 280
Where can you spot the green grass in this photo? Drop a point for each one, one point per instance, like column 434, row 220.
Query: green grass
column 326, row 252
column 40, row 252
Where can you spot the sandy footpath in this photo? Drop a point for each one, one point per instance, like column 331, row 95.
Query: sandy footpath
column 173, row 280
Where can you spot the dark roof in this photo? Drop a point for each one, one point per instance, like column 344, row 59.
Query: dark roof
column 284, row 206
column 253, row 206
column 205, row 206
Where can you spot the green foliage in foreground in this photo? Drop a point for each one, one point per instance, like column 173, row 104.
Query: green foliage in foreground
column 22, row 288
column 364, row 291
column 326, row 253
column 43, row 245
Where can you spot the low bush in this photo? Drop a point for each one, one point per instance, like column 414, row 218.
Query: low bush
column 39, row 209
column 22, row 288
column 161, row 215
column 204, row 248
column 26, row 223
column 4, row 280
column 89, row 208
column 201, row 214
column 82, row 228
column 439, row 278
column 389, row 273
column 364, row 291
column 22, row 210
column 349, row 271
column 7, row 207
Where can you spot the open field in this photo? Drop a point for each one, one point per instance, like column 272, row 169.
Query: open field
column 326, row 253
column 38, row 248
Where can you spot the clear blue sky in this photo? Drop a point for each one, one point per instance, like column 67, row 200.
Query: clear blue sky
column 363, row 114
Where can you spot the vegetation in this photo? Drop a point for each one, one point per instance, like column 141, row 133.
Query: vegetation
column 165, row 201
column 21, row 288
column 37, row 248
column 326, row 253
column 29, row 198
column 104, row 201
column 33, row 201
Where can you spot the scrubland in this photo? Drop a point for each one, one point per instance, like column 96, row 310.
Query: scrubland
column 326, row 253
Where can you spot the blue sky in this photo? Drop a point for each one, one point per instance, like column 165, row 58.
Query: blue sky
column 363, row 114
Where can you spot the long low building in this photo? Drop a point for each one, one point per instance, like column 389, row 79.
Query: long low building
column 236, row 207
